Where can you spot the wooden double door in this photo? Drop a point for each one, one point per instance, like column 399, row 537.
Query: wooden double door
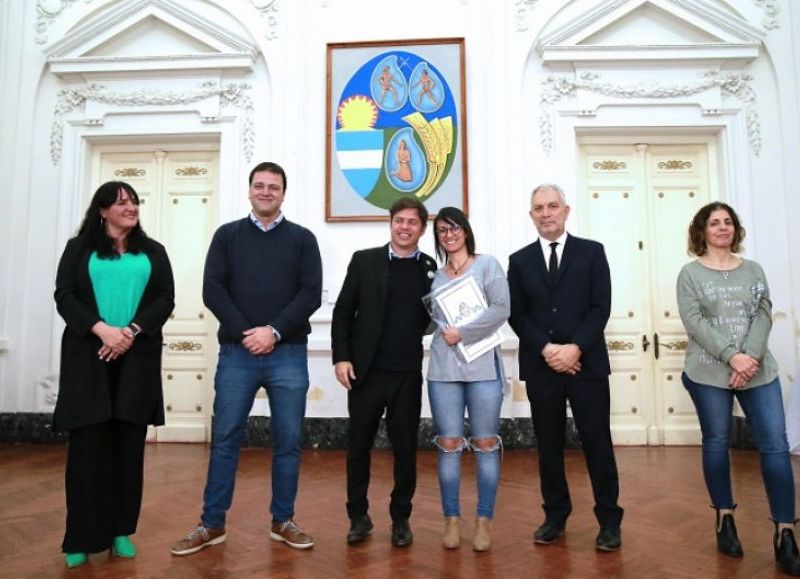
column 638, row 200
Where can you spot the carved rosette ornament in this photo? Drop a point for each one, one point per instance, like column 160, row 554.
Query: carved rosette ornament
column 232, row 94
column 736, row 85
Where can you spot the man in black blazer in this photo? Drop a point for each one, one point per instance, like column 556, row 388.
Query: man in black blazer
column 560, row 302
column 376, row 332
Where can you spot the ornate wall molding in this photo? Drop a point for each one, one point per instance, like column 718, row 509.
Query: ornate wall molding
column 47, row 12
column 232, row 94
column 522, row 9
column 268, row 10
column 771, row 10
column 731, row 85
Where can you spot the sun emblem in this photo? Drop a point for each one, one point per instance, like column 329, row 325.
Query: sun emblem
column 357, row 113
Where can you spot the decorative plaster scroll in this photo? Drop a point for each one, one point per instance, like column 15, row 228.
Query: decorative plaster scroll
column 731, row 84
column 191, row 171
column 771, row 10
column 677, row 345
column 521, row 11
column 675, row 165
column 185, row 346
column 620, row 346
column 231, row 94
column 130, row 172
column 610, row 165
column 47, row 11
column 268, row 9
column 49, row 383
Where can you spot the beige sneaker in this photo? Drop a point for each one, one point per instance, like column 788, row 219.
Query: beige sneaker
column 291, row 534
column 199, row 538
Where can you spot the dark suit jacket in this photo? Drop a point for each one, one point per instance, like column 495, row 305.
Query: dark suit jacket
column 575, row 309
column 84, row 395
column 358, row 315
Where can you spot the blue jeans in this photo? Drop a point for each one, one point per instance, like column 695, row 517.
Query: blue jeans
column 284, row 375
column 763, row 409
column 482, row 400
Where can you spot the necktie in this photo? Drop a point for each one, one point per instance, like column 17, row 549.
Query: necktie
column 552, row 266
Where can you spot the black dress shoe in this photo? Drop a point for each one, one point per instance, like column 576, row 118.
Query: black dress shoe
column 727, row 539
column 609, row 538
column 786, row 554
column 548, row 533
column 401, row 533
column 360, row 528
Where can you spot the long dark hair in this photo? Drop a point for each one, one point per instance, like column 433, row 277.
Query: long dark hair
column 93, row 229
column 452, row 216
column 697, row 229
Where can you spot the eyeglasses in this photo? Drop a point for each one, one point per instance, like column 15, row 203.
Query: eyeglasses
column 445, row 229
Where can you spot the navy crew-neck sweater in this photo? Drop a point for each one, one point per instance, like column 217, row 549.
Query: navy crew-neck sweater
column 256, row 278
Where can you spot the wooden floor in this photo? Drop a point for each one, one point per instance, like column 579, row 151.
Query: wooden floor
column 667, row 531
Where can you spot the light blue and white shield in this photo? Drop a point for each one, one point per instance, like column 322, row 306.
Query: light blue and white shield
column 360, row 156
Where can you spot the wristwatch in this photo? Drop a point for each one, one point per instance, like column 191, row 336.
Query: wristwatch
column 275, row 333
column 135, row 330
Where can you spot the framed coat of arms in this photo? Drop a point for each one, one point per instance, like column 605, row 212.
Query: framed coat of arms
column 396, row 126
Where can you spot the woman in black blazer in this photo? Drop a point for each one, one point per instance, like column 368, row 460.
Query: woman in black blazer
column 115, row 291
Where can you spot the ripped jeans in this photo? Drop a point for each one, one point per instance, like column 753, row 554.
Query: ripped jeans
column 482, row 400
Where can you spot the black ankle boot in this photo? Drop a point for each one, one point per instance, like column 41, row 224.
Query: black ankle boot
column 727, row 539
column 786, row 556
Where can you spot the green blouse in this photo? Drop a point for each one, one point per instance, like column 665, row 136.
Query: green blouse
column 119, row 285
column 725, row 312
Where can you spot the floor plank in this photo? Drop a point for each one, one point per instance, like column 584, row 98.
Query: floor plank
column 667, row 531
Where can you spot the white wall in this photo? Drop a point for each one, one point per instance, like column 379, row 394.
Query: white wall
column 504, row 76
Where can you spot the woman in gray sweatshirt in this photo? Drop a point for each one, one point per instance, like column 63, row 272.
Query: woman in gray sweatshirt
column 725, row 306
column 455, row 385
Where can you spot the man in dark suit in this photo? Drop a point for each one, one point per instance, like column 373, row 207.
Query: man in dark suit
column 560, row 302
column 377, row 330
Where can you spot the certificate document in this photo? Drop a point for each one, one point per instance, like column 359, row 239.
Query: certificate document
column 461, row 301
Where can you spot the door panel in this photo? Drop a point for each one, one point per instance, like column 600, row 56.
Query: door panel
column 637, row 200
column 678, row 184
column 178, row 194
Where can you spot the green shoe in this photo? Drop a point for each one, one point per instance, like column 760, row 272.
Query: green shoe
column 75, row 559
column 124, row 547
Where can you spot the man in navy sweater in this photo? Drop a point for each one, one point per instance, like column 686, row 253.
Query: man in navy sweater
column 262, row 280
column 376, row 332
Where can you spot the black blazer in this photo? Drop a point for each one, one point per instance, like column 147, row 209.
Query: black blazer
column 358, row 315
column 84, row 395
column 573, row 310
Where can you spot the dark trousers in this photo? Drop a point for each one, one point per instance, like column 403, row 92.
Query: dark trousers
column 400, row 394
column 590, row 403
column 105, row 467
